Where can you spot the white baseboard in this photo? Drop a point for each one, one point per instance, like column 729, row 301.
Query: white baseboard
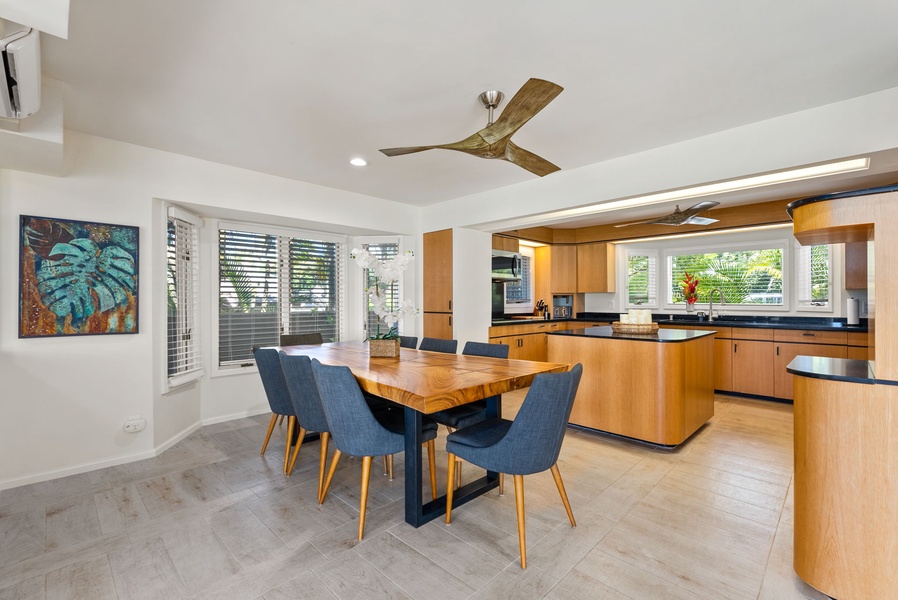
column 250, row 412
column 84, row 468
column 77, row 470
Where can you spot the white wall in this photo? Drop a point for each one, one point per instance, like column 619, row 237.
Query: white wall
column 65, row 399
column 471, row 281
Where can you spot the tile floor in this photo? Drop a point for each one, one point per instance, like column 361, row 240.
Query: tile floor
column 210, row 518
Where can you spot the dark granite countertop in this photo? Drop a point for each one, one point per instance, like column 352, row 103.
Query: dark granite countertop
column 836, row 369
column 662, row 335
column 750, row 321
column 529, row 320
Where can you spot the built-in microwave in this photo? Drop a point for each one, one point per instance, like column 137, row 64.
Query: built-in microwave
column 506, row 265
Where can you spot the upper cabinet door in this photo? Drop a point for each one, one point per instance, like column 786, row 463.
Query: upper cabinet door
column 595, row 268
column 438, row 271
column 564, row 269
column 500, row 242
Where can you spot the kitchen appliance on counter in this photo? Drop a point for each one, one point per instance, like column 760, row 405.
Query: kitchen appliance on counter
column 562, row 307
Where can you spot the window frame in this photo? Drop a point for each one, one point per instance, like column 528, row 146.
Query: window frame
column 281, row 232
column 788, row 278
column 652, row 254
column 806, row 307
column 188, row 300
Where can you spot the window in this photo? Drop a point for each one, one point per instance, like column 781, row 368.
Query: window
column 745, row 277
column 272, row 283
column 814, row 266
column 642, row 277
column 383, row 251
column 183, row 350
column 518, row 292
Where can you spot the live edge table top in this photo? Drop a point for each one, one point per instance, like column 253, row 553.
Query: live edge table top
column 428, row 381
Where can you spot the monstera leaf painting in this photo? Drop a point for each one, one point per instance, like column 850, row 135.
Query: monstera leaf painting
column 77, row 278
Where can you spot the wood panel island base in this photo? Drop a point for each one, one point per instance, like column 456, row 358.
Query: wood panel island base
column 656, row 388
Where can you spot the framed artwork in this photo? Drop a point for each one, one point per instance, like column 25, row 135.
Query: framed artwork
column 76, row 278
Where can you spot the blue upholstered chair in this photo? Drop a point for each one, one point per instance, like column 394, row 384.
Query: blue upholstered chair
column 307, row 405
column 438, row 345
column 301, row 339
column 408, row 341
column 357, row 431
column 278, row 396
column 529, row 444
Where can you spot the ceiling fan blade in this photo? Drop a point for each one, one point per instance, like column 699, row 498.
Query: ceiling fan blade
column 698, row 221
column 406, row 150
column 528, row 160
column 649, row 222
column 700, row 207
column 533, row 96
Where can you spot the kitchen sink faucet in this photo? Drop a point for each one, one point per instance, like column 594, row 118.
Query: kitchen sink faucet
column 723, row 302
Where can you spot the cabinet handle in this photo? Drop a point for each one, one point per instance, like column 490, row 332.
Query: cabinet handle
column 735, row 348
column 450, row 320
column 520, row 342
column 809, row 334
column 450, row 305
column 777, row 350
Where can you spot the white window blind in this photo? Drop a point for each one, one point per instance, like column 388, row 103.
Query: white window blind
column 184, row 358
column 813, row 275
column 383, row 251
column 642, row 278
column 269, row 284
column 518, row 292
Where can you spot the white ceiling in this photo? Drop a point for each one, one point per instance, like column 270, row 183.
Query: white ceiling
column 296, row 89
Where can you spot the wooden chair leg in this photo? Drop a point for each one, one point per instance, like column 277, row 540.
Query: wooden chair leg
column 300, row 438
column 432, row 463
column 560, row 484
column 291, row 423
column 363, row 503
column 390, row 466
column 450, row 488
column 457, row 473
column 519, row 505
column 325, row 438
column 501, row 484
column 384, row 459
column 330, row 475
column 271, row 424
column 281, row 421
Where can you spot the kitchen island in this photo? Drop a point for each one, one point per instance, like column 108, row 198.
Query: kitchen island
column 658, row 388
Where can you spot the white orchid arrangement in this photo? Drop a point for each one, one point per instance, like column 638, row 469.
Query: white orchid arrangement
column 385, row 273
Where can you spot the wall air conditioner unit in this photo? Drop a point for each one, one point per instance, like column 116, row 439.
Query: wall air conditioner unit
column 20, row 90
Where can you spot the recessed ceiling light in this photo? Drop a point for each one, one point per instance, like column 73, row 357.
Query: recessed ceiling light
column 358, row 162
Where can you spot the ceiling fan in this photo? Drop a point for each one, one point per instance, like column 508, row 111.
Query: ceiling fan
column 681, row 217
column 494, row 140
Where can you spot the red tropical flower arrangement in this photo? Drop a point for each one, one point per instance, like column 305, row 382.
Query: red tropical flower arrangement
column 690, row 283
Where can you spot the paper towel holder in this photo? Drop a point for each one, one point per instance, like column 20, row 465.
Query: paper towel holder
column 852, row 312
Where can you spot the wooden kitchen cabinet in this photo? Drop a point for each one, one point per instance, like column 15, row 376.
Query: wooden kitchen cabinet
column 438, row 284
column 858, row 346
column 438, row 271
column 785, row 352
column 507, row 244
column 555, row 272
column 438, row 325
column 723, row 364
column 595, row 268
column 856, row 266
column 525, row 347
column 753, row 367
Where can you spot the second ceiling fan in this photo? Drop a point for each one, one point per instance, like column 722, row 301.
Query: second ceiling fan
column 494, row 140
column 681, row 217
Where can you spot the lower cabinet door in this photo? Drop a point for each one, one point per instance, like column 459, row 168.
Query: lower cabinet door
column 532, row 346
column 753, row 367
column 723, row 365
column 783, row 381
column 438, row 325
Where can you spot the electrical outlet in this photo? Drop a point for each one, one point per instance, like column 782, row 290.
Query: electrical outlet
column 135, row 425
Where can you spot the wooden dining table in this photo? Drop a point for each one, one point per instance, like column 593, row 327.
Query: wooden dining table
column 426, row 382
